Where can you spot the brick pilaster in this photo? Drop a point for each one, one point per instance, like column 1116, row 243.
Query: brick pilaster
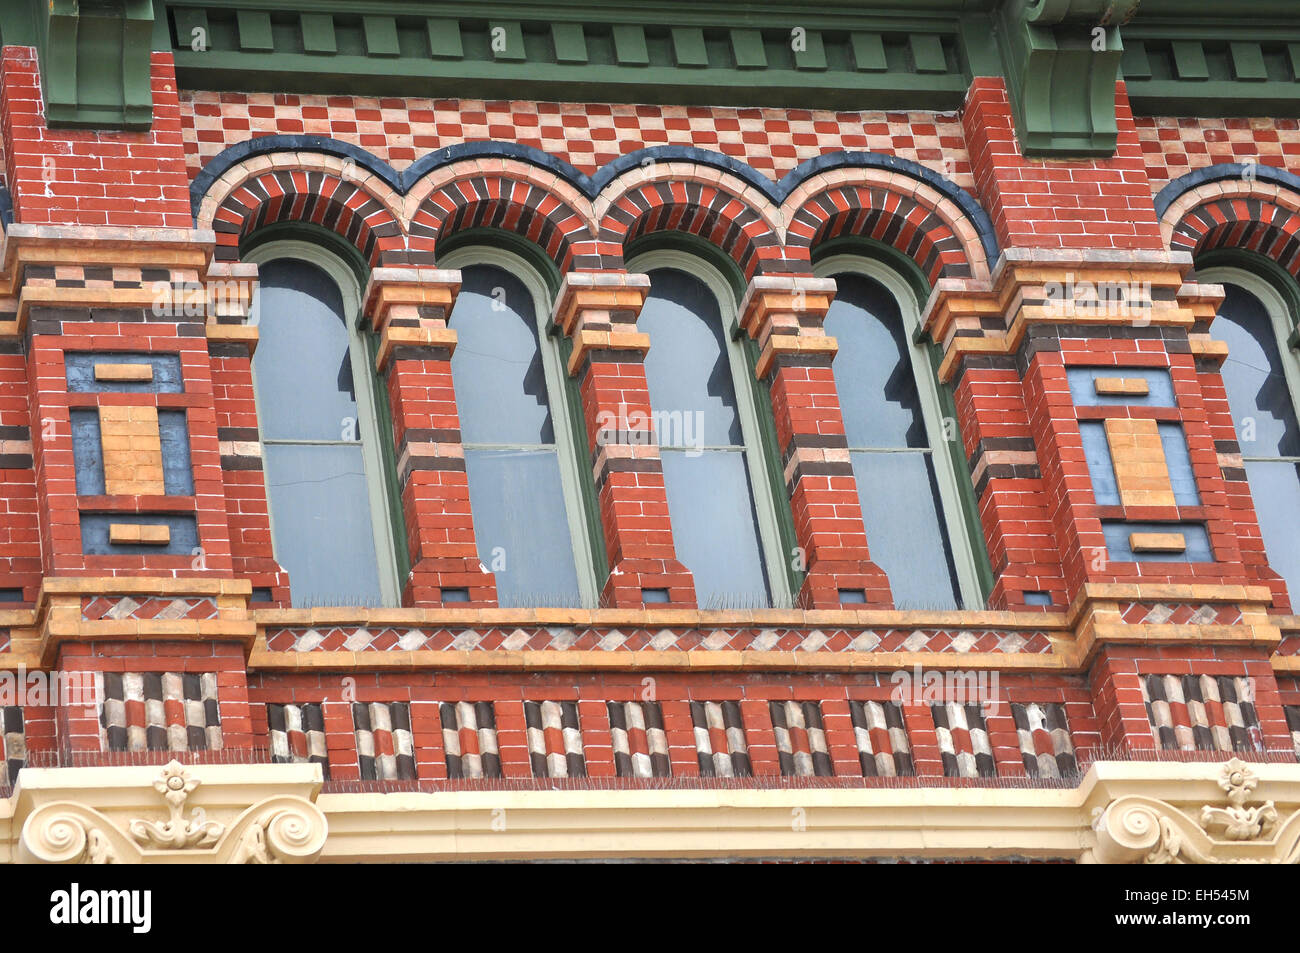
column 784, row 315
column 408, row 308
column 598, row 312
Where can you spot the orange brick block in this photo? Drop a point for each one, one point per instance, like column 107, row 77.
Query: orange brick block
column 132, row 447
column 1157, row 542
column 1121, row 386
column 119, row 533
column 124, row 373
column 1139, row 458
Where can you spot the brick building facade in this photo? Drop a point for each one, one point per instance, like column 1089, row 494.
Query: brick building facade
column 429, row 637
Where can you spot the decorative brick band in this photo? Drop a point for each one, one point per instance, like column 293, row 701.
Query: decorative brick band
column 1202, row 713
column 884, row 750
column 160, row 711
column 1044, row 737
column 162, row 609
column 721, row 747
column 963, row 740
column 562, row 639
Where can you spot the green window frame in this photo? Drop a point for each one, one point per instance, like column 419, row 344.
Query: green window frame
column 1271, row 294
column 374, row 450
column 971, row 573
column 758, row 453
column 559, row 397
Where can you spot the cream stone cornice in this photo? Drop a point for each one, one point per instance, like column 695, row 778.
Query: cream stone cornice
column 1121, row 812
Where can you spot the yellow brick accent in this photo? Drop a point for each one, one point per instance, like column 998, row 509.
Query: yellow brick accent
column 152, row 535
column 123, row 372
column 133, row 463
column 1140, row 469
column 1157, row 542
column 1121, row 386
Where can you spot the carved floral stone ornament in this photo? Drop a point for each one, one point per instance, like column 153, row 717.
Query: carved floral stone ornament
column 176, row 833
column 281, row 828
column 1143, row 829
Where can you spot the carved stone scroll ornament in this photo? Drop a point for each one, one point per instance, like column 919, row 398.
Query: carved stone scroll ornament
column 1143, row 829
column 64, row 832
column 278, row 829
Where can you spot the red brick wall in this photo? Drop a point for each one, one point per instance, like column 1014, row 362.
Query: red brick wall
column 87, row 177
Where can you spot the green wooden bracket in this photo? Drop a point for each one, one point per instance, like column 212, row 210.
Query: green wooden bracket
column 95, row 63
column 1061, row 59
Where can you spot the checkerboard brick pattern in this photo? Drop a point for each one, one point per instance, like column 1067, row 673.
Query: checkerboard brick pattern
column 587, row 135
column 469, row 737
column 639, row 743
column 963, row 740
column 160, row 711
column 801, row 739
column 385, row 749
column 297, row 734
column 881, row 733
column 14, row 740
column 1045, row 740
column 720, row 743
column 555, row 739
column 1203, row 713
column 1175, row 145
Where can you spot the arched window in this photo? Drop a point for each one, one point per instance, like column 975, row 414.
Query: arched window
column 529, row 520
column 719, row 499
column 325, row 480
column 894, row 425
column 1262, row 380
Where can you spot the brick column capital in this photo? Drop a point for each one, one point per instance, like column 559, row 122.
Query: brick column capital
column 599, row 300
column 409, row 308
column 598, row 309
column 784, row 314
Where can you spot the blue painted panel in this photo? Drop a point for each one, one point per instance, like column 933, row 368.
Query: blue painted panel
column 87, row 452
column 1096, row 451
column 1117, row 545
column 1084, row 393
column 1179, row 462
column 80, row 367
column 178, row 475
column 94, row 534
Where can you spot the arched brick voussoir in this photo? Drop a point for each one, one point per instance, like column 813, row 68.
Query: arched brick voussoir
column 892, row 208
column 1237, row 213
column 527, row 201
column 701, row 200
column 305, row 187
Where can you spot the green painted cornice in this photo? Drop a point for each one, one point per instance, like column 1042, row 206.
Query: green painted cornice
column 1188, row 57
column 94, row 57
column 1061, row 59
column 837, row 54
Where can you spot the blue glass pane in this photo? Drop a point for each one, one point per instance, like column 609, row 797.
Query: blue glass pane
column 905, row 532
column 1275, row 488
column 687, row 367
column 1253, row 377
column 1083, row 387
column 497, row 367
column 715, row 530
column 873, row 372
column 521, row 526
column 302, row 367
column 1096, row 451
column 320, row 511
